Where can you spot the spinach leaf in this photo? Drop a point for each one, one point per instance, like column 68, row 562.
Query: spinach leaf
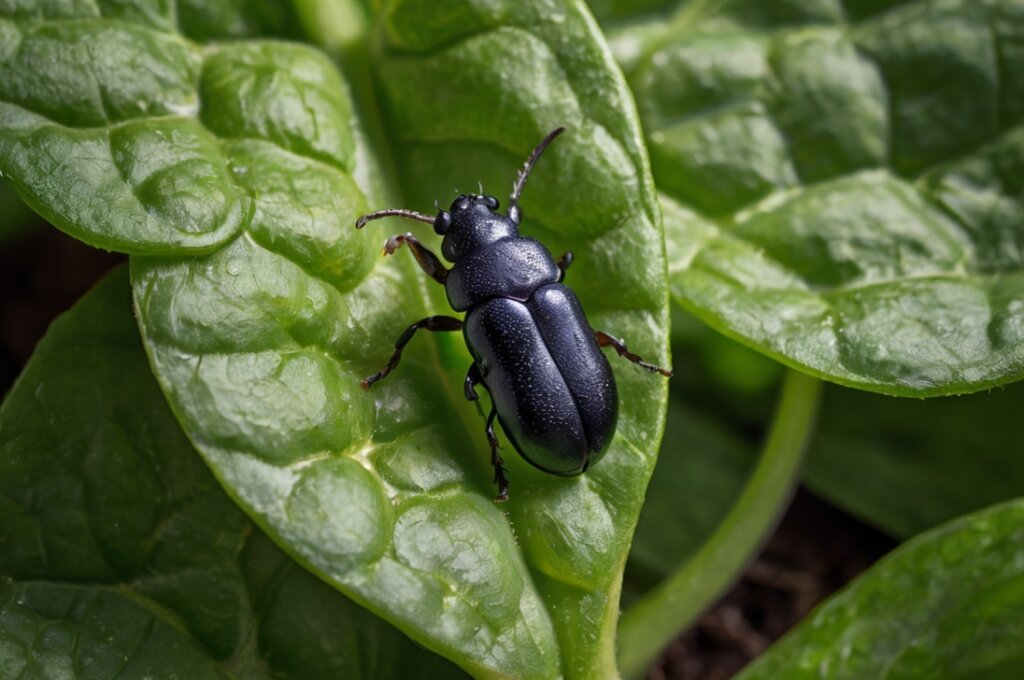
column 465, row 94
column 120, row 554
column 947, row 604
column 233, row 172
column 99, row 118
column 843, row 189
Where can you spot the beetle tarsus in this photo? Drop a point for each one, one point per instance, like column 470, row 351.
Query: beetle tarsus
column 428, row 262
column 393, row 244
column 605, row 340
column 496, row 461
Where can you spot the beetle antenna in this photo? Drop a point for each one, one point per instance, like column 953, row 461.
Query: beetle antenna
column 393, row 212
column 517, row 188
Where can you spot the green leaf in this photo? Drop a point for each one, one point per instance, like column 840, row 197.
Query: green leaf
column 260, row 343
column 844, row 193
column 908, row 465
column 120, row 554
column 110, row 119
column 234, row 171
column 490, row 81
column 948, row 604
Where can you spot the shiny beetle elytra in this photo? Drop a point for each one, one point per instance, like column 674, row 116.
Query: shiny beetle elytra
column 551, row 387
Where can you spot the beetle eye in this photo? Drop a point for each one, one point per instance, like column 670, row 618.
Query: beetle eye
column 442, row 222
column 491, row 202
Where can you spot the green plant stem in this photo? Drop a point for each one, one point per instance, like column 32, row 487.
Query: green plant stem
column 334, row 26
column 676, row 602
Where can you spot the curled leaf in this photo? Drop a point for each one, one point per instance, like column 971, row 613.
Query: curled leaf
column 843, row 193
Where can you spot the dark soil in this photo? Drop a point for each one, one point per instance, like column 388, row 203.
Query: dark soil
column 42, row 273
column 815, row 551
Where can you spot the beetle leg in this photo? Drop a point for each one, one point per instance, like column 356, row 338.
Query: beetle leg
column 473, row 378
column 427, row 260
column 563, row 263
column 605, row 340
column 496, row 461
column 431, row 323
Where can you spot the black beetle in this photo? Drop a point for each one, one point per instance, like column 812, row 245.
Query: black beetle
column 551, row 387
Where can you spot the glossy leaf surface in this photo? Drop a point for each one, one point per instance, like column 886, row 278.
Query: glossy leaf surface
column 121, row 555
column 100, row 108
column 248, row 153
column 842, row 184
column 948, row 604
column 490, row 80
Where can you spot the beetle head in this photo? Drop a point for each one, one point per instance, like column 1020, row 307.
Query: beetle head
column 471, row 222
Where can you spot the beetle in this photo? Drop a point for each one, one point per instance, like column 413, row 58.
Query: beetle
column 551, row 387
